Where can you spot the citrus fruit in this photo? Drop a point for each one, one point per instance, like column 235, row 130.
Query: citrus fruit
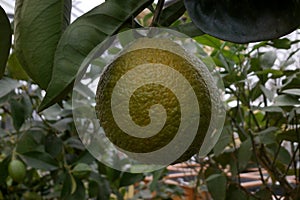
column 134, row 84
column 17, row 170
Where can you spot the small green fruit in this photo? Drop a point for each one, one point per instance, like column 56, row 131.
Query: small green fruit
column 17, row 170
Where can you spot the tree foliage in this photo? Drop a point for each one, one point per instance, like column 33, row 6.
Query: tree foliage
column 262, row 82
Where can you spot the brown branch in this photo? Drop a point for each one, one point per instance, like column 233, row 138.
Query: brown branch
column 274, row 172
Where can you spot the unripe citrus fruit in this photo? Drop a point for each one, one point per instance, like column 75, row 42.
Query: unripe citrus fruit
column 148, row 82
column 17, row 170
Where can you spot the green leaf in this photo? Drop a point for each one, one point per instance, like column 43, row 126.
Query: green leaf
column 93, row 189
column 129, row 179
column 283, row 43
column 62, row 125
column 235, row 192
column 40, row 160
column 21, row 109
column 72, row 189
column 52, row 113
column 85, row 157
column 244, row 153
column 268, row 93
column 4, row 170
column 53, row 145
column 271, row 109
column 5, row 41
column 216, row 184
column 81, row 170
column 268, row 59
column 112, row 174
column 255, row 64
column 209, row 41
column 224, row 157
column 284, row 156
column 295, row 92
column 27, row 143
column 286, row 100
column 7, row 85
column 15, row 69
column 255, row 92
column 289, row 135
column 188, row 28
column 245, row 21
column 102, row 187
column 156, row 176
column 38, row 28
column 224, row 140
column 75, row 143
column 268, row 136
column 171, row 13
column 293, row 81
column 274, row 72
column 81, row 37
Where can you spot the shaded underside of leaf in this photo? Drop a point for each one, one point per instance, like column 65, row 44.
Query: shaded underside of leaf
column 5, row 40
column 245, row 21
column 190, row 29
column 38, row 28
column 81, row 37
column 7, row 85
column 286, row 100
column 40, row 160
column 14, row 68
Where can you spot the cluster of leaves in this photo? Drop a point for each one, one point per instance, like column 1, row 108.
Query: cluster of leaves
column 57, row 164
column 263, row 116
column 262, row 98
column 51, row 53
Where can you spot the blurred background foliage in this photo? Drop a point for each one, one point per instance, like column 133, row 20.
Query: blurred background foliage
column 261, row 131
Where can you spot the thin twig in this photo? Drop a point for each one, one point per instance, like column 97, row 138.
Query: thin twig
column 255, row 120
column 298, row 143
column 199, row 176
column 256, row 159
column 5, row 110
column 238, row 126
column 276, row 154
column 292, row 161
column 236, row 159
column 274, row 171
column 267, row 118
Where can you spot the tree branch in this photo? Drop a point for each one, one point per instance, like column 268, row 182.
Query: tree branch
column 157, row 12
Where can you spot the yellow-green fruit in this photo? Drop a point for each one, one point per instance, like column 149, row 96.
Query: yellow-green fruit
column 152, row 51
column 17, row 170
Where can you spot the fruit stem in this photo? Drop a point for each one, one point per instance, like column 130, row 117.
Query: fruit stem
column 157, row 12
column 13, row 156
